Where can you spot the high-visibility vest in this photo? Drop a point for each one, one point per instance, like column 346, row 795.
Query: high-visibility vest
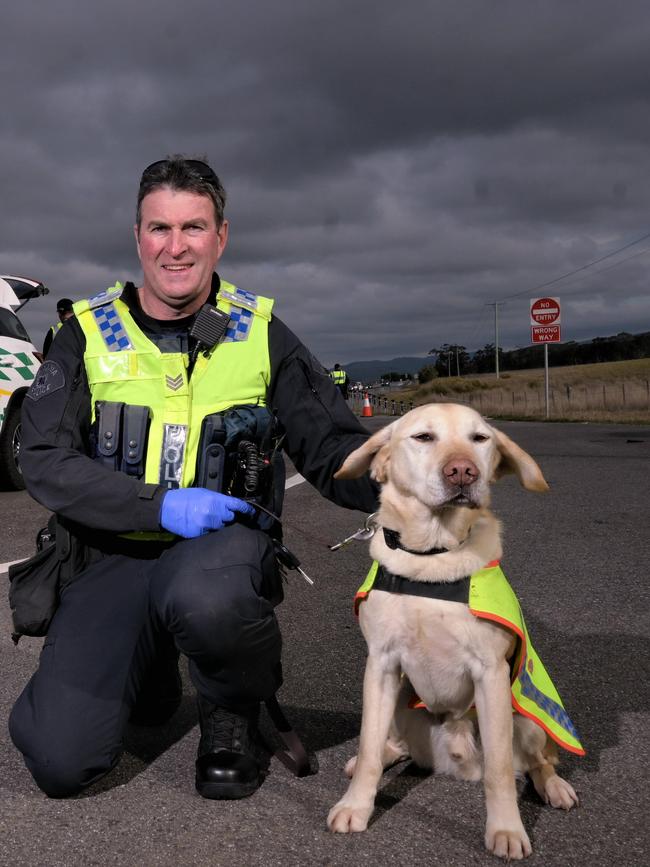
column 54, row 328
column 532, row 691
column 124, row 366
column 339, row 376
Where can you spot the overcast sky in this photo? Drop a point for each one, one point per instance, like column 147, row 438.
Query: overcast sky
column 392, row 168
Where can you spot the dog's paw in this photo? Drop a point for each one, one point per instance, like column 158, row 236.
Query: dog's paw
column 350, row 765
column 512, row 844
column 560, row 794
column 344, row 818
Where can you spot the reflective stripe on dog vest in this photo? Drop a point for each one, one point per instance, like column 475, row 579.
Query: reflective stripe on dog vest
column 533, row 694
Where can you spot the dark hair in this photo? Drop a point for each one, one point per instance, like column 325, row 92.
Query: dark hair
column 63, row 305
column 179, row 173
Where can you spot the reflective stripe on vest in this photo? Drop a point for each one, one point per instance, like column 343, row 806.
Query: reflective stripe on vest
column 54, row 328
column 532, row 691
column 338, row 376
column 123, row 365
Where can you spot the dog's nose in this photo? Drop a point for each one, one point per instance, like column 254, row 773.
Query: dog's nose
column 460, row 471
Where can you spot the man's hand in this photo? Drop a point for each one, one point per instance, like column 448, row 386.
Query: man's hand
column 192, row 512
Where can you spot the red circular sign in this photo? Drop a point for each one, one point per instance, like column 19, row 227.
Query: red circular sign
column 545, row 311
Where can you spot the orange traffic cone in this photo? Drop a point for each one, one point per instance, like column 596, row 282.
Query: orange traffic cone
column 366, row 412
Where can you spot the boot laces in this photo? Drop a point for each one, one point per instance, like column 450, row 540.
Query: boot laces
column 227, row 730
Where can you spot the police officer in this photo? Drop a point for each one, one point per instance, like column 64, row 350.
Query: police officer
column 340, row 379
column 64, row 311
column 159, row 565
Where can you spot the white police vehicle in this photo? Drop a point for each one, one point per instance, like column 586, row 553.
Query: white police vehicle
column 19, row 361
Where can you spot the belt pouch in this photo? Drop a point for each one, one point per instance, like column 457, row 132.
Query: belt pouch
column 135, row 424
column 212, row 454
column 108, row 415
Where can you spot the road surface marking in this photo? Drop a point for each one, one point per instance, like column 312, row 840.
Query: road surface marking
column 5, row 566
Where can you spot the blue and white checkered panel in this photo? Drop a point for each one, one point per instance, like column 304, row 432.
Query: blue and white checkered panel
column 247, row 296
column 111, row 328
column 239, row 325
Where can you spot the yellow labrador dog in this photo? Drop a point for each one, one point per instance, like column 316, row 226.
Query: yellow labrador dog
column 435, row 466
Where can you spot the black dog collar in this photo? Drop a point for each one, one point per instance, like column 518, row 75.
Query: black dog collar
column 450, row 591
column 392, row 539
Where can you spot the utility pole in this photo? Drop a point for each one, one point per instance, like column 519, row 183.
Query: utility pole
column 496, row 305
column 457, row 364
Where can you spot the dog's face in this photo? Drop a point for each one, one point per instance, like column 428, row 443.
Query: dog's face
column 443, row 454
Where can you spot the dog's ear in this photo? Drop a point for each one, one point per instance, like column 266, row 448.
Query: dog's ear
column 358, row 461
column 513, row 459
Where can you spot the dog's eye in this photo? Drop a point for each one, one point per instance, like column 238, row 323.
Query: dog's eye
column 480, row 438
column 423, row 437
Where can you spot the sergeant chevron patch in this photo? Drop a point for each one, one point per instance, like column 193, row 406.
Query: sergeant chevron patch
column 174, row 382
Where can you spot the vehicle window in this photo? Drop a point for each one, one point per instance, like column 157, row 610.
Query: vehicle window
column 11, row 326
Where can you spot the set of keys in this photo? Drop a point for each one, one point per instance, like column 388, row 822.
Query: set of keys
column 289, row 560
column 363, row 534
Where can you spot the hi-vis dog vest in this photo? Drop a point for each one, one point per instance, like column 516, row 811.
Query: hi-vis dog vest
column 533, row 694
column 123, row 365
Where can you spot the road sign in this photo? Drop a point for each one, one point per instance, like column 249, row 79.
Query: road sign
column 545, row 320
column 545, row 311
column 545, row 334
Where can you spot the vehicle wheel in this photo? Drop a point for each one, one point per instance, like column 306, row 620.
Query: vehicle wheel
column 10, row 475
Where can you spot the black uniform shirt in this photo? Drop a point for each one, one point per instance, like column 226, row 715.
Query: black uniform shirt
column 320, row 429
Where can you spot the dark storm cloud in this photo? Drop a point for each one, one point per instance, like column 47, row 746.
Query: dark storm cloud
column 391, row 168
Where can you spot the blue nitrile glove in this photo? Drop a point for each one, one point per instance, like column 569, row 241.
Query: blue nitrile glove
column 192, row 512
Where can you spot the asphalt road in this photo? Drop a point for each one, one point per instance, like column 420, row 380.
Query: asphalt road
column 578, row 558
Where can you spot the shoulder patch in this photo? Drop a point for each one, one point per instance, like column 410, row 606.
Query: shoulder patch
column 49, row 378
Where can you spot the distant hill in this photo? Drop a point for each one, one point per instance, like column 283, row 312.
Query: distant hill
column 370, row 371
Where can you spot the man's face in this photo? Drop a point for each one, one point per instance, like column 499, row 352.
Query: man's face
column 179, row 245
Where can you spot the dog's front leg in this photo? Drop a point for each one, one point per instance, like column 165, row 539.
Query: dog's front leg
column 380, row 688
column 504, row 832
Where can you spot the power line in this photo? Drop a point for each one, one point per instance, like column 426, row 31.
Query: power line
column 577, row 270
column 609, row 268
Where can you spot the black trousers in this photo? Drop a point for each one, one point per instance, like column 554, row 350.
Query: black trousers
column 213, row 596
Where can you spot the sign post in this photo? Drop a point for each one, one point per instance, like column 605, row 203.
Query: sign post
column 545, row 328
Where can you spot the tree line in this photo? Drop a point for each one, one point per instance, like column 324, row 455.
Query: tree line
column 454, row 360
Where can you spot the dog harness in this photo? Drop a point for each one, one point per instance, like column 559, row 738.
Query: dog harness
column 490, row 597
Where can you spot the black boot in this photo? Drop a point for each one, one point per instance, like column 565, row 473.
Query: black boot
column 232, row 760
